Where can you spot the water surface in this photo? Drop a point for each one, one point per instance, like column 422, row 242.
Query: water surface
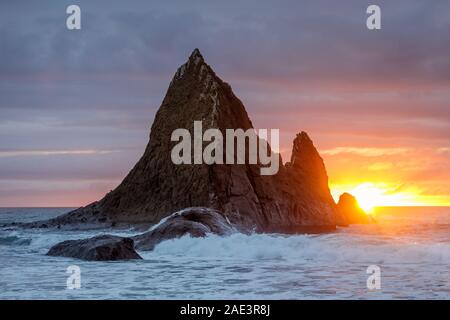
column 410, row 245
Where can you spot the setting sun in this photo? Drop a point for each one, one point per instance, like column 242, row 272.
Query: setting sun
column 370, row 195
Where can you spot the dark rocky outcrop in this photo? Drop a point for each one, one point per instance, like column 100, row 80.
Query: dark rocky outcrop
column 100, row 248
column 196, row 222
column 296, row 199
column 349, row 211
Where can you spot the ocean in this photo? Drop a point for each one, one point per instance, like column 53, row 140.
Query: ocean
column 410, row 247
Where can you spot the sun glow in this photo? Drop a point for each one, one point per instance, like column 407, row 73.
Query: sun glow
column 370, row 195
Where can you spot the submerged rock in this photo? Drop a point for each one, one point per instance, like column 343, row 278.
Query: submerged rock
column 99, row 248
column 349, row 211
column 196, row 222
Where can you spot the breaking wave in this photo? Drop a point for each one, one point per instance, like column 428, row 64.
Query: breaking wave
column 14, row 241
column 302, row 248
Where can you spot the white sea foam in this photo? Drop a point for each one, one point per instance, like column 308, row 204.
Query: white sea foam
column 332, row 249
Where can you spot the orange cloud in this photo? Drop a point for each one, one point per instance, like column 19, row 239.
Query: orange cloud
column 367, row 152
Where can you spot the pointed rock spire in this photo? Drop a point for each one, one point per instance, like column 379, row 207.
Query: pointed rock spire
column 306, row 160
column 296, row 197
column 193, row 65
column 303, row 149
column 196, row 57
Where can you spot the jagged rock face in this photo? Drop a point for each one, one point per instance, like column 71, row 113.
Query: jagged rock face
column 349, row 212
column 308, row 182
column 156, row 187
column 99, row 248
column 296, row 199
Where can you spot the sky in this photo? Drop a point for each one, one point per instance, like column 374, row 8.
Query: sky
column 76, row 106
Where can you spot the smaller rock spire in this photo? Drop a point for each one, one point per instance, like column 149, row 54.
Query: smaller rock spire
column 302, row 148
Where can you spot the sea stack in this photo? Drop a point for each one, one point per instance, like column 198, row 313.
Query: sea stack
column 349, row 211
column 296, row 199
